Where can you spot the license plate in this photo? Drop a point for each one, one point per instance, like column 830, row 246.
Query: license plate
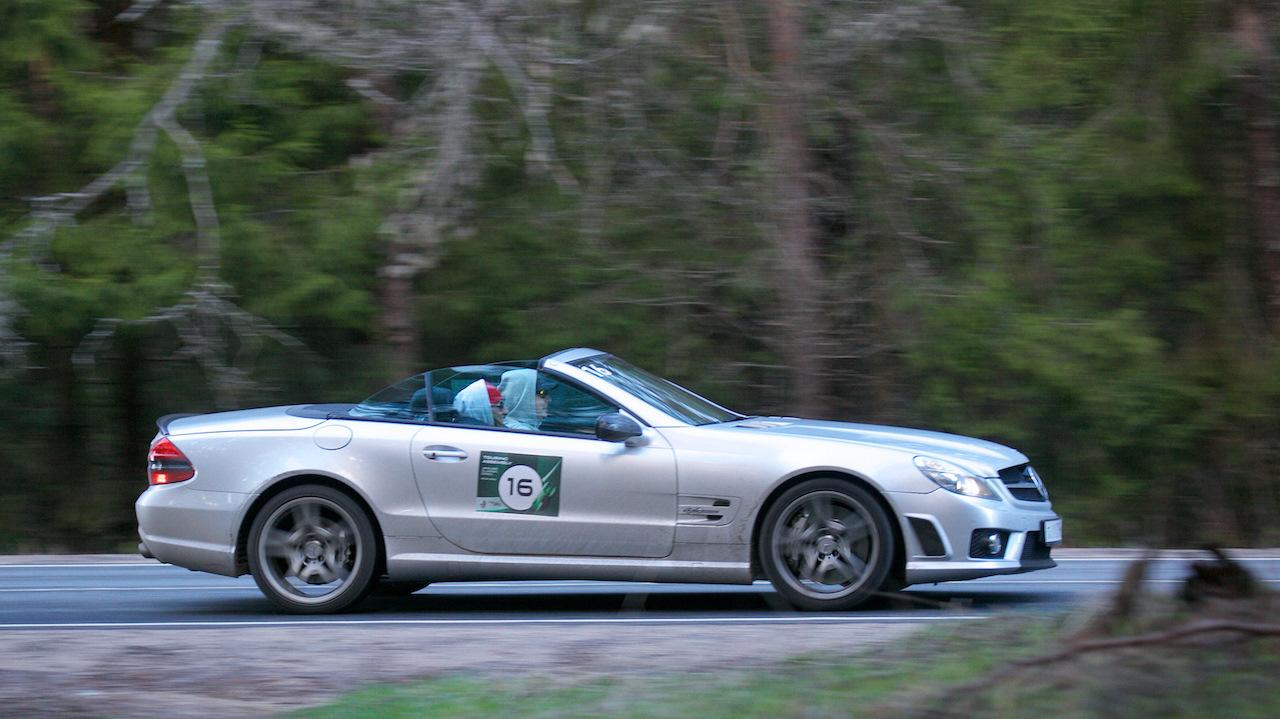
column 1052, row 531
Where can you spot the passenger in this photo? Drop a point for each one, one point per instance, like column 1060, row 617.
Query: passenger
column 480, row 402
column 524, row 409
column 497, row 404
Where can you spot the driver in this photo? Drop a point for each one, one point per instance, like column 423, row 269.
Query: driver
column 525, row 406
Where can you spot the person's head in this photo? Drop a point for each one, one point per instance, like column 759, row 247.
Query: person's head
column 475, row 403
column 496, row 405
column 519, row 388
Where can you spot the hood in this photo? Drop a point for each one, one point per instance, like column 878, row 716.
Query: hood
column 267, row 419
column 976, row 454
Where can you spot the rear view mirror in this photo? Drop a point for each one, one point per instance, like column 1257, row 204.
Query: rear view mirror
column 617, row 427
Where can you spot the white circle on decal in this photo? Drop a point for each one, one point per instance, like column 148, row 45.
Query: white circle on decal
column 519, row 486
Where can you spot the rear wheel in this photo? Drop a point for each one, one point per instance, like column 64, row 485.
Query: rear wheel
column 312, row 550
column 826, row 544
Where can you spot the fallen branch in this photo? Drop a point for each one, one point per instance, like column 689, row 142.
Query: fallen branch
column 1123, row 607
column 1169, row 635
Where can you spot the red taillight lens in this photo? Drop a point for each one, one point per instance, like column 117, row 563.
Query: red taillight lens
column 166, row 465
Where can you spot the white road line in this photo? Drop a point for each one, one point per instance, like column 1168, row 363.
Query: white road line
column 37, row 590
column 170, row 567
column 1242, row 560
column 90, row 565
column 629, row 587
column 1026, row 582
column 1182, row 555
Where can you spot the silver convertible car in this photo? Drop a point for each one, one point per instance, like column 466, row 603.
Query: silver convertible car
column 579, row 466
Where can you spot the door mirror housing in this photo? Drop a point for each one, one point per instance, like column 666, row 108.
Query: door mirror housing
column 617, row 427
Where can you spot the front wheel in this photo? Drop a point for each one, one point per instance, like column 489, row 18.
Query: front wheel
column 312, row 550
column 826, row 545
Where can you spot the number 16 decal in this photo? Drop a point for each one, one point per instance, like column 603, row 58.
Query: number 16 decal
column 519, row 483
column 519, row 486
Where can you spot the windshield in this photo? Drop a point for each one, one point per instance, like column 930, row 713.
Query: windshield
column 665, row 395
column 404, row 400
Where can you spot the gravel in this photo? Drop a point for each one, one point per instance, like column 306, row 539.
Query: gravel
column 251, row 672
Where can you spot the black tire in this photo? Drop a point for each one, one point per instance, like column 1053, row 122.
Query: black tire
column 312, row 550
column 826, row 545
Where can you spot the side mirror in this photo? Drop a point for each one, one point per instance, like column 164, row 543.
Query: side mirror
column 617, row 427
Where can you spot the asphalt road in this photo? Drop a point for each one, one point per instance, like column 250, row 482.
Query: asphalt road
column 122, row 591
column 123, row 637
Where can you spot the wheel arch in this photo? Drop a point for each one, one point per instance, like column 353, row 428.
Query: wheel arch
column 898, row 565
column 298, row 480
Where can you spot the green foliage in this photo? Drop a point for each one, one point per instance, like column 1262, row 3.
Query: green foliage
column 36, row 35
column 297, row 223
column 1092, row 277
column 1030, row 219
column 1064, row 60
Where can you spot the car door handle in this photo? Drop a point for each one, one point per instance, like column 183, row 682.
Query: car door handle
column 444, row 454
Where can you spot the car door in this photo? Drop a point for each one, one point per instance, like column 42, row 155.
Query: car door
column 498, row 491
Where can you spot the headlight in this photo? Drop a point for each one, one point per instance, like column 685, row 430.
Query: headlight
column 954, row 478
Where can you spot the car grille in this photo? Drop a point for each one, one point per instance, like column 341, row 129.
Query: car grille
column 1021, row 483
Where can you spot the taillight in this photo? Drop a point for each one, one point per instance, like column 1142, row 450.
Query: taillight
column 166, row 465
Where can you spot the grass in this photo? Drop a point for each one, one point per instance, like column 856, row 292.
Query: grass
column 962, row 670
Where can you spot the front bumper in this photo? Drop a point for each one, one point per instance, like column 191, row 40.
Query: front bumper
column 945, row 536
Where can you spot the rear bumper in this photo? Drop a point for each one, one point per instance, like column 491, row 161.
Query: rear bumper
column 190, row 528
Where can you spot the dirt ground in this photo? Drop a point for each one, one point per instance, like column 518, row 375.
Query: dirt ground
column 249, row 672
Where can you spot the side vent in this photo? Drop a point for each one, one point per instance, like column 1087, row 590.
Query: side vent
column 930, row 541
column 707, row 511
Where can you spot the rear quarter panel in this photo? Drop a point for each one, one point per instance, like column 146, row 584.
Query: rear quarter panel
column 374, row 464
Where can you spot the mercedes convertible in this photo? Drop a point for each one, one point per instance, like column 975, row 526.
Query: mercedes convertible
column 579, row 466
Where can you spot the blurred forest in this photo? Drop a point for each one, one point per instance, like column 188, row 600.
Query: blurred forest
column 1051, row 224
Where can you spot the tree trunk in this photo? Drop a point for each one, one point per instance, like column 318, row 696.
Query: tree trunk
column 799, row 276
column 1262, row 158
column 403, row 354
